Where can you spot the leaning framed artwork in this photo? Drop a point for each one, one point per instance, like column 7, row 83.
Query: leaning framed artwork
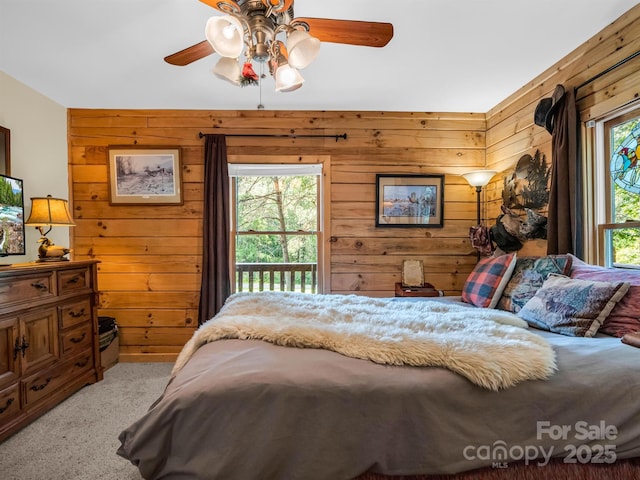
column 145, row 175
column 409, row 200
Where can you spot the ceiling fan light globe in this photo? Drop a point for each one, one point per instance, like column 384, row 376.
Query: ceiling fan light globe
column 288, row 79
column 303, row 48
column 228, row 69
column 225, row 34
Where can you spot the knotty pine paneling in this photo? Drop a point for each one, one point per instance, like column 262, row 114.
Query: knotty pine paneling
column 150, row 256
column 511, row 131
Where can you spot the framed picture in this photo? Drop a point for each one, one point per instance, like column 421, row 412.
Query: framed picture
column 145, row 175
column 409, row 200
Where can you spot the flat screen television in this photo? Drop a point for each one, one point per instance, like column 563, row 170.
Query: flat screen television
column 11, row 217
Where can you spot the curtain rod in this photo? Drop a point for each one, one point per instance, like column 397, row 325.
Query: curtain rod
column 273, row 135
column 604, row 72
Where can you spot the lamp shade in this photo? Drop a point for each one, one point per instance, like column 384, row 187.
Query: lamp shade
column 303, row 48
column 288, row 79
column 49, row 211
column 228, row 69
column 226, row 35
column 479, row 178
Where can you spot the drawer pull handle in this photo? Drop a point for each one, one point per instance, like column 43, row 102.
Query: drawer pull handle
column 74, row 279
column 82, row 364
column 39, row 286
column 7, row 405
column 78, row 340
column 37, row 388
column 20, row 347
column 77, row 314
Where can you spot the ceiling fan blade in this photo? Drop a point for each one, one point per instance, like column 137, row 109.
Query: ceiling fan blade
column 226, row 6
column 351, row 32
column 190, row 54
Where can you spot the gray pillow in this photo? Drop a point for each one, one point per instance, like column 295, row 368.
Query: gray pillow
column 571, row 306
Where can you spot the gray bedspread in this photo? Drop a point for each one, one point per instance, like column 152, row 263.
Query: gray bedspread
column 247, row 409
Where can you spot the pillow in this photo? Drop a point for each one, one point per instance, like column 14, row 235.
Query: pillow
column 625, row 316
column 528, row 276
column 485, row 284
column 572, row 306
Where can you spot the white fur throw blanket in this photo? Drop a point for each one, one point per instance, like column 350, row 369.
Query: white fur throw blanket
column 491, row 348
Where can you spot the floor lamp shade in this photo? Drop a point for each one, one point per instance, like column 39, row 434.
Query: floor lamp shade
column 478, row 179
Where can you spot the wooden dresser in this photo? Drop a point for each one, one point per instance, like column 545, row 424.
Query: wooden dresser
column 48, row 337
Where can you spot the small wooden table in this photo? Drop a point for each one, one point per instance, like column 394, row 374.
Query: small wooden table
column 427, row 290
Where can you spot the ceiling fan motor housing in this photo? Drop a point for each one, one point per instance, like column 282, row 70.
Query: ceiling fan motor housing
column 262, row 27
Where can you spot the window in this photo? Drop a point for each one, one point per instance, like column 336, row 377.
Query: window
column 275, row 219
column 619, row 219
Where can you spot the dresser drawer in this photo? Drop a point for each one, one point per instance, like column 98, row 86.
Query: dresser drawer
column 26, row 288
column 76, row 339
column 75, row 313
column 42, row 384
column 9, row 402
column 73, row 280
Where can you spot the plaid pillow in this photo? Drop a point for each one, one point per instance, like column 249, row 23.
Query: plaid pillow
column 485, row 284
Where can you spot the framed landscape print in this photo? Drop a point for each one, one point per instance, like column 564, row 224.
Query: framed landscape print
column 145, row 175
column 409, row 200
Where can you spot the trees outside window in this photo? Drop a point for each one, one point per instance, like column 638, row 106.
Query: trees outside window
column 276, row 225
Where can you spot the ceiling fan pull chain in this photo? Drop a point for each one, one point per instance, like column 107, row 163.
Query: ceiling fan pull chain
column 260, row 105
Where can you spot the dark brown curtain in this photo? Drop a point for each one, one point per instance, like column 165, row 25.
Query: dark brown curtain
column 564, row 227
column 215, row 287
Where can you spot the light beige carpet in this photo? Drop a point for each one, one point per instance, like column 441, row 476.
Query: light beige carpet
column 78, row 439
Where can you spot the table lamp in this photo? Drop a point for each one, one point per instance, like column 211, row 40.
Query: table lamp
column 49, row 212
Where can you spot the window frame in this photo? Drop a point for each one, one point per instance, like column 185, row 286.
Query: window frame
column 318, row 169
column 602, row 200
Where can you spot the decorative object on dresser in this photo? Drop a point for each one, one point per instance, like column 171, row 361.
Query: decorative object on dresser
column 48, row 337
column 49, row 212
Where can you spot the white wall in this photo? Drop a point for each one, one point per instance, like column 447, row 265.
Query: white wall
column 38, row 152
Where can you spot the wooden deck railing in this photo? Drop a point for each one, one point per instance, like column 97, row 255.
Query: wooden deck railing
column 292, row 277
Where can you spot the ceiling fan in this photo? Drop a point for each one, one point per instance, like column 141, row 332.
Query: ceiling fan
column 254, row 25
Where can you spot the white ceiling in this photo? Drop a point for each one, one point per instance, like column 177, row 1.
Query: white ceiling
column 445, row 56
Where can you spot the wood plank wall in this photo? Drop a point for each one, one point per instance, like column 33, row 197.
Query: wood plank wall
column 150, row 256
column 511, row 131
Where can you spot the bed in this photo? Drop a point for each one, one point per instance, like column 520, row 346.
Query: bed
column 242, row 405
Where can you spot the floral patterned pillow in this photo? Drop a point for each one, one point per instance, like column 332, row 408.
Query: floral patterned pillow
column 571, row 306
column 527, row 278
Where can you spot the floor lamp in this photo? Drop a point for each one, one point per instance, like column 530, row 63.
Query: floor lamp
column 478, row 179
